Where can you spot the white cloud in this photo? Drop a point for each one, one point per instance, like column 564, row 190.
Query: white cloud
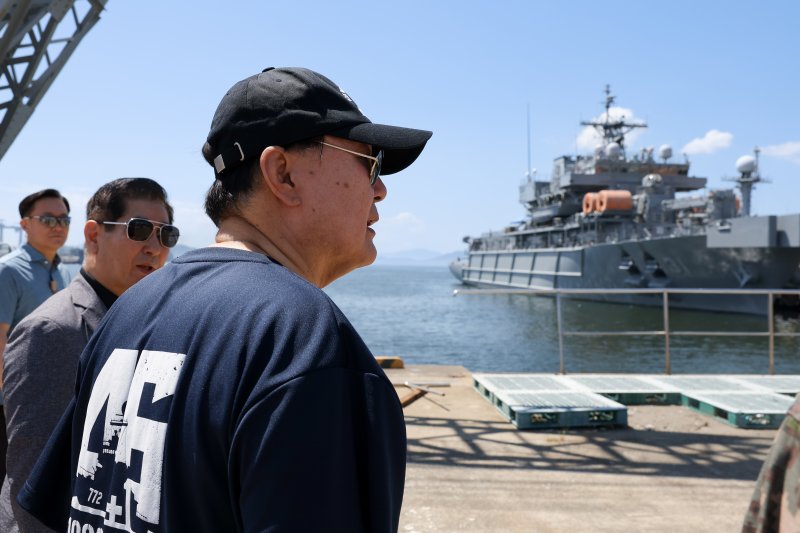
column 403, row 231
column 588, row 138
column 405, row 221
column 712, row 141
column 788, row 150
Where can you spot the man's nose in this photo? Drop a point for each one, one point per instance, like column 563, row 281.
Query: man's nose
column 380, row 189
column 153, row 245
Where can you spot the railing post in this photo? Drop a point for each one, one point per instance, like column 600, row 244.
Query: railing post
column 667, row 363
column 771, row 329
column 560, row 334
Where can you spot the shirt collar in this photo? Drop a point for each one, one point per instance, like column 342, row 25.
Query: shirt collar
column 36, row 256
column 106, row 296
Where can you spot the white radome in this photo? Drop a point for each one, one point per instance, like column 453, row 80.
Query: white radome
column 612, row 150
column 746, row 164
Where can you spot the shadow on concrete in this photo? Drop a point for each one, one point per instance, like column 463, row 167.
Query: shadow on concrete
column 496, row 445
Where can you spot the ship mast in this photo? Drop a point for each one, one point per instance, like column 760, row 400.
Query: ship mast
column 530, row 171
column 612, row 130
column 748, row 177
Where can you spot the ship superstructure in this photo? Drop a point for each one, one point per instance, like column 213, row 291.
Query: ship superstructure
column 609, row 220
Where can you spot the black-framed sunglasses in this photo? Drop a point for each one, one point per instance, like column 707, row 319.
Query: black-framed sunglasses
column 377, row 160
column 51, row 222
column 141, row 229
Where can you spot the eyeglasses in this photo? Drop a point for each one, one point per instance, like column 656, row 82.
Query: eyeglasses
column 51, row 222
column 377, row 161
column 141, row 229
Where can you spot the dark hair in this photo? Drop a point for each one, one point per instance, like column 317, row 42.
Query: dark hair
column 110, row 201
column 226, row 195
column 27, row 203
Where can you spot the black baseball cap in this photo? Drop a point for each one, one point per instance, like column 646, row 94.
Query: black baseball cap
column 281, row 106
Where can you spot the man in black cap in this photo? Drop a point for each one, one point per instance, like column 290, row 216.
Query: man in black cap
column 227, row 392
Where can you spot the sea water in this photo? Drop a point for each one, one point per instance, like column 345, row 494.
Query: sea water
column 411, row 312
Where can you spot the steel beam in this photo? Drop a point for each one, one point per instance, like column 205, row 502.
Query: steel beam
column 37, row 37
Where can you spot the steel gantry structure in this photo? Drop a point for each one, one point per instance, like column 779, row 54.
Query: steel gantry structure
column 37, row 37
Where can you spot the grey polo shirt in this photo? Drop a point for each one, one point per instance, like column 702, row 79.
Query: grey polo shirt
column 25, row 283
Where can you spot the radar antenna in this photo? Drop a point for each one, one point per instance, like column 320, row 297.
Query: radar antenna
column 531, row 172
column 37, row 37
column 748, row 177
column 613, row 130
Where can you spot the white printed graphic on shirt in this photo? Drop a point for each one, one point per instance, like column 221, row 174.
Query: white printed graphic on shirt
column 122, row 447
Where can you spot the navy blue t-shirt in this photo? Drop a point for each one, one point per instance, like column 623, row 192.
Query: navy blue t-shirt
column 224, row 393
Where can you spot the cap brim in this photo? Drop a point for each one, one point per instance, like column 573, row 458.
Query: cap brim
column 401, row 146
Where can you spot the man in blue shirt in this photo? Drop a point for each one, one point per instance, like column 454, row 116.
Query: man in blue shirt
column 226, row 391
column 30, row 275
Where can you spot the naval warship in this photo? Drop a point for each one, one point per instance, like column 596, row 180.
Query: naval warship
column 610, row 221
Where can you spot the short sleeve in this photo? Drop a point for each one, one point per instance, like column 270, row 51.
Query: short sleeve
column 324, row 452
column 9, row 295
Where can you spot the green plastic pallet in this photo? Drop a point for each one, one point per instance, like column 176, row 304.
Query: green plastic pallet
column 630, row 390
column 559, row 409
column 489, row 384
column 750, row 409
column 532, row 401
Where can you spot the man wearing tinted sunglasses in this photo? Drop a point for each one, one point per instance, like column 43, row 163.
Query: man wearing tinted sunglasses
column 128, row 235
column 248, row 400
column 30, row 275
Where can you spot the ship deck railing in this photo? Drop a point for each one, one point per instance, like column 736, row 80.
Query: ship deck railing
column 666, row 332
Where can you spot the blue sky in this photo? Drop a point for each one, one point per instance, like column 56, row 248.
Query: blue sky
column 136, row 98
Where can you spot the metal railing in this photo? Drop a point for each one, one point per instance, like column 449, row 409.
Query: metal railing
column 667, row 332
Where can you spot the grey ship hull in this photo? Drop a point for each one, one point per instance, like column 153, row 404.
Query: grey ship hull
column 670, row 262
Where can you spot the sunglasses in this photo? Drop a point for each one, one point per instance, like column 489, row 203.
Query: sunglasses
column 141, row 229
column 377, row 161
column 51, row 222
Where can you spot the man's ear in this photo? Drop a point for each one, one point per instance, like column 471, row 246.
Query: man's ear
column 276, row 165
column 91, row 232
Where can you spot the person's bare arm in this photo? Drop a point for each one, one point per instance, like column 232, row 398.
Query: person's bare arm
column 3, row 339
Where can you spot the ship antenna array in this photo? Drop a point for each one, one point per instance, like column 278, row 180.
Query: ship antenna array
column 531, row 171
column 613, row 130
column 749, row 175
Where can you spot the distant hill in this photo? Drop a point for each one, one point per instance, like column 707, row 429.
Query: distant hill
column 417, row 257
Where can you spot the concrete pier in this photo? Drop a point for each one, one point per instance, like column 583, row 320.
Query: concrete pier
column 469, row 469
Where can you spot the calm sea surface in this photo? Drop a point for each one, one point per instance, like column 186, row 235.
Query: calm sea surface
column 411, row 312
